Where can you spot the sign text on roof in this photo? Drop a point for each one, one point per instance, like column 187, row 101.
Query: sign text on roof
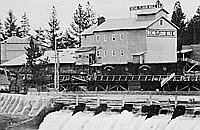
column 142, row 7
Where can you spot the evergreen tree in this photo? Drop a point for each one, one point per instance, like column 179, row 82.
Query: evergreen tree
column 1, row 32
column 35, row 65
column 193, row 29
column 82, row 19
column 68, row 41
column 54, row 31
column 40, row 34
column 10, row 24
column 178, row 18
column 25, row 27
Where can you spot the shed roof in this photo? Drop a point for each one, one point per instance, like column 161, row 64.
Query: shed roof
column 85, row 49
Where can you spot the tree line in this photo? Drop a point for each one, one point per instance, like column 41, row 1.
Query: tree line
column 189, row 30
column 83, row 18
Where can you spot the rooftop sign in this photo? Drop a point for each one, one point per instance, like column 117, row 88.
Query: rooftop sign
column 161, row 33
column 132, row 8
column 142, row 7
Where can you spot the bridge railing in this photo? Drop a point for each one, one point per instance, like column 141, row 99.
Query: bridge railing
column 145, row 78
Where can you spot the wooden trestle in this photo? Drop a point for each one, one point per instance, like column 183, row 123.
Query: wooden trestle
column 145, row 78
column 130, row 82
column 109, row 78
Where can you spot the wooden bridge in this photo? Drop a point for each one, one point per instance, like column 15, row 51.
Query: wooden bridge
column 116, row 100
column 131, row 82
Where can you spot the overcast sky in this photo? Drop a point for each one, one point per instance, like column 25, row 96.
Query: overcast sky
column 38, row 11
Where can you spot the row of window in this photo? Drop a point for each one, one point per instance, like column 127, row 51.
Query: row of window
column 106, row 38
column 106, row 52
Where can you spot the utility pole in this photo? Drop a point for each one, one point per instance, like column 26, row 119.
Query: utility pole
column 194, row 32
column 56, row 66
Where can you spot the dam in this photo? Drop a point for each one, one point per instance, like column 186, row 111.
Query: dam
column 34, row 110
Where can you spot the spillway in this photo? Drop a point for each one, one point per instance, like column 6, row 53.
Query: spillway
column 21, row 105
column 63, row 120
column 23, row 110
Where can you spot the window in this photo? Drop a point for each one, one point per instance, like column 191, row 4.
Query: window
column 105, row 37
column 98, row 54
column 97, row 38
column 113, row 53
column 122, row 52
column 121, row 36
column 113, row 37
column 161, row 22
column 105, row 53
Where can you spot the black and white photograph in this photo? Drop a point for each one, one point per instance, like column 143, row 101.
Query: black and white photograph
column 99, row 65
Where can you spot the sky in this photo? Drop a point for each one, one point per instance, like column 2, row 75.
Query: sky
column 38, row 11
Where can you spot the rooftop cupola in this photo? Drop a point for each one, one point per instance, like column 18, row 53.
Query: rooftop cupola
column 149, row 12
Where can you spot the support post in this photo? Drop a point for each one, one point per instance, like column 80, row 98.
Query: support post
column 123, row 100
column 176, row 101
column 98, row 100
column 76, row 99
column 150, row 99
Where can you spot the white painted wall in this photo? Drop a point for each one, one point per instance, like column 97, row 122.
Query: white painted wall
column 161, row 48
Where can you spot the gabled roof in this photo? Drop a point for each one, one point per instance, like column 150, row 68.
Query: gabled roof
column 15, row 39
column 25, row 40
column 151, row 11
column 166, row 20
column 65, row 56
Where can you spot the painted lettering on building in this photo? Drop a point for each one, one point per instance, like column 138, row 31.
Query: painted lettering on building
column 142, row 7
column 161, row 33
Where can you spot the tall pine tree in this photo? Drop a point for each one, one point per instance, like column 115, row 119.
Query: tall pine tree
column 10, row 24
column 1, row 31
column 25, row 26
column 35, row 65
column 54, row 29
column 178, row 18
column 193, row 29
column 68, row 41
column 82, row 20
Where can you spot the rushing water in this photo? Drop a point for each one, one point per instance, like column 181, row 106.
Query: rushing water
column 63, row 120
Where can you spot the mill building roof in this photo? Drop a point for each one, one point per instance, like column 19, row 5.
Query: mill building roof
column 151, row 11
column 122, row 24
